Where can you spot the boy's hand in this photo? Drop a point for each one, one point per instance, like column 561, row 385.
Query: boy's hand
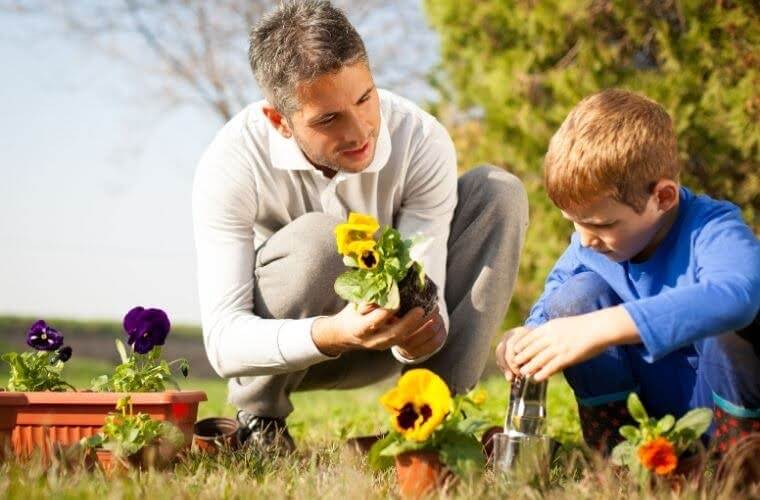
column 564, row 342
column 505, row 354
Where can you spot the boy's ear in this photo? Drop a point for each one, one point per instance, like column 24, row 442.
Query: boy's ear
column 666, row 193
column 278, row 121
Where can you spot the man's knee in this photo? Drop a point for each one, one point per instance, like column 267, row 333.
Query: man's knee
column 582, row 293
column 313, row 247
column 496, row 191
column 296, row 270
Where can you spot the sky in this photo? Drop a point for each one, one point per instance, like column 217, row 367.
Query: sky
column 95, row 184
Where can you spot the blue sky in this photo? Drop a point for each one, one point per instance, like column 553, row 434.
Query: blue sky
column 95, row 181
column 94, row 186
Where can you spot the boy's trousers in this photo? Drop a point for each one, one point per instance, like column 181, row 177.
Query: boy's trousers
column 722, row 370
column 297, row 267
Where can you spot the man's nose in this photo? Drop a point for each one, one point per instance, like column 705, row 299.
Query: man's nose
column 357, row 130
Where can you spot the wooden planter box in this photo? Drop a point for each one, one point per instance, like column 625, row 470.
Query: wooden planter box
column 39, row 420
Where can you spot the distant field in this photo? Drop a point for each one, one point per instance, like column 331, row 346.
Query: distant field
column 94, row 340
column 10, row 325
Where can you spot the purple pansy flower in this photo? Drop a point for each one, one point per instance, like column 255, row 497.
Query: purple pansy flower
column 43, row 338
column 63, row 354
column 146, row 328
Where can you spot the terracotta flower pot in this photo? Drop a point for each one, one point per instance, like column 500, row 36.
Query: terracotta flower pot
column 420, row 473
column 213, row 434
column 41, row 419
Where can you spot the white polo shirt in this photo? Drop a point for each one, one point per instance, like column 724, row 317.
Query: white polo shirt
column 251, row 182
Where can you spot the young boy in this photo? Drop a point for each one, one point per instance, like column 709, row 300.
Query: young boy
column 659, row 290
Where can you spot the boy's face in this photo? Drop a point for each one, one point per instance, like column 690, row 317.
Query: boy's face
column 338, row 122
column 617, row 231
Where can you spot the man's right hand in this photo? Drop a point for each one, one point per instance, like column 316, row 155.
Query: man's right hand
column 364, row 327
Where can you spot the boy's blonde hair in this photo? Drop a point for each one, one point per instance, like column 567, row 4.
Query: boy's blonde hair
column 614, row 143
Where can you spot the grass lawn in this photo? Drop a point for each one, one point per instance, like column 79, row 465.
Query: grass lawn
column 321, row 468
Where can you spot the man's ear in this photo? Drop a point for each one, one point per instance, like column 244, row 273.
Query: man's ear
column 666, row 192
column 277, row 120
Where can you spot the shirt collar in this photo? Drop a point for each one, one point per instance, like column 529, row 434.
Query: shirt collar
column 286, row 155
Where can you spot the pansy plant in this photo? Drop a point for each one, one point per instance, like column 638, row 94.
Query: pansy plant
column 39, row 370
column 425, row 417
column 383, row 271
column 142, row 370
column 124, row 433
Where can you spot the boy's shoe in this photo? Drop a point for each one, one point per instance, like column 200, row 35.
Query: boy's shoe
column 268, row 434
column 600, row 425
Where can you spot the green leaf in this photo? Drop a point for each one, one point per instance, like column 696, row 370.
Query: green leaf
column 636, row 409
column 376, row 459
column 350, row 285
column 697, row 420
column 462, row 453
column 623, row 454
column 394, row 298
column 630, row 433
column 665, row 424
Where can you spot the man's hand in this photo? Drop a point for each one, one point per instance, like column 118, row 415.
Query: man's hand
column 505, row 353
column 365, row 327
column 426, row 339
column 564, row 342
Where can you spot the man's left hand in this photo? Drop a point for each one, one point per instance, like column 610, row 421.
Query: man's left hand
column 426, row 339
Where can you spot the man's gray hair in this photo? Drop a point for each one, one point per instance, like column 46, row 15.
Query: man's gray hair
column 300, row 41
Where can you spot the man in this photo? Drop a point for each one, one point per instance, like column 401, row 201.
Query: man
column 276, row 180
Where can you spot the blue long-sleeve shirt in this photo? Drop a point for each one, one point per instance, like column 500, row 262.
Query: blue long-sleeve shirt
column 703, row 279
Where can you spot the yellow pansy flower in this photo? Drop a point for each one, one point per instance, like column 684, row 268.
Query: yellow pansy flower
column 365, row 252
column 418, row 404
column 478, row 396
column 358, row 228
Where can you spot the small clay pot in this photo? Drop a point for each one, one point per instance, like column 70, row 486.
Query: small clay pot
column 155, row 456
column 213, row 434
column 419, row 473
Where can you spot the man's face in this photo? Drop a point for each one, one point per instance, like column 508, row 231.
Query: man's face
column 338, row 122
column 614, row 229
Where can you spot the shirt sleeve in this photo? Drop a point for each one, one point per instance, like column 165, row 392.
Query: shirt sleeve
column 566, row 266
column 427, row 209
column 238, row 343
column 725, row 297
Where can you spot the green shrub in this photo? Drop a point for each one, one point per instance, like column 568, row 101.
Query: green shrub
column 512, row 69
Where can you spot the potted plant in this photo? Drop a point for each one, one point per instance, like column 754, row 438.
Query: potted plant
column 134, row 440
column 432, row 441
column 35, row 370
column 667, row 449
column 44, row 417
column 384, row 271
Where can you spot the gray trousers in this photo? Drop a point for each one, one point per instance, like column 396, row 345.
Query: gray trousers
column 297, row 267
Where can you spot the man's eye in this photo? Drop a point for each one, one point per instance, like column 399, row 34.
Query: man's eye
column 364, row 99
column 325, row 121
